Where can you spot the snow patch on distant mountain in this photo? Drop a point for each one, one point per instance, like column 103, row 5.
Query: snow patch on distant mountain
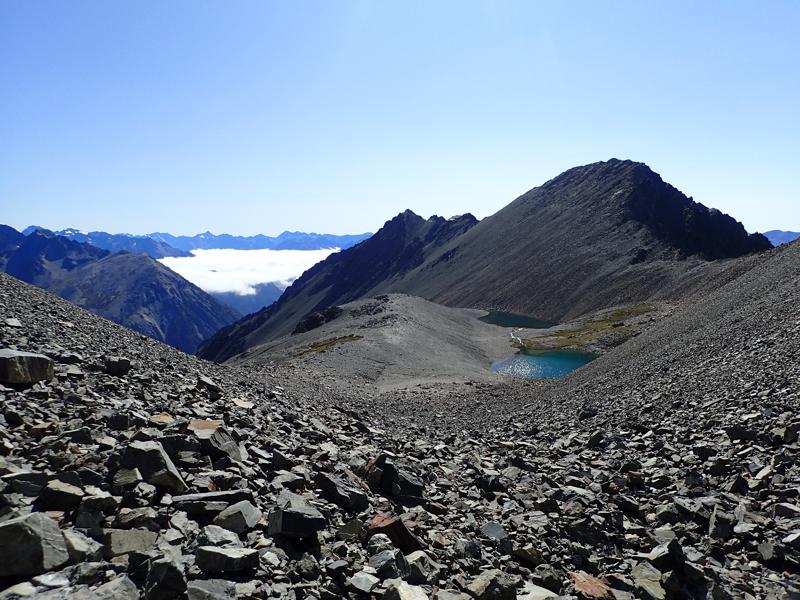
column 241, row 271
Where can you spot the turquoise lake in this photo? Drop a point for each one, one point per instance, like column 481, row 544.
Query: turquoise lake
column 507, row 319
column 556, row 363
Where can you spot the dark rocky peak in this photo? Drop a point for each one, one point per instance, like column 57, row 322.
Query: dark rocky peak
column 40, row 248
column 10, row 238
column 621, row 192
column 406, row 224
column 409, row 226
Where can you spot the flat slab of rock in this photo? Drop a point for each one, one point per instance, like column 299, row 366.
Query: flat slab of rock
column 57, row 495
column 213, row 559
column 31, row 545
column 117, row 542
column 24, row 368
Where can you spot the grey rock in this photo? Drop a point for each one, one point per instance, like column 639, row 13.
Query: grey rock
column 363, row 582
column 208, row 505
column 494, row 585
column 379, row 543
column 155, row 466
column 117, row 542
column 422, row 569
column 165, row 580
column 239, row 518
column 211, row 589
column 81, row 548
column 213, row 535
column 389, row 564
column 119, row 588
column 295, row 518
column 30, row 545
column 118, row 366
column 342, row 493
column 24, row 368
column 57, row 495
column 308, row 567
column 214, row 559
column 400, row 590
column 531, row 591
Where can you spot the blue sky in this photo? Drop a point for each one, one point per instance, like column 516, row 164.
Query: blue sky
column 256, row 117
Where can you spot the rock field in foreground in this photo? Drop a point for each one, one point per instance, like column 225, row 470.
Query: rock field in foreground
column 138, row 471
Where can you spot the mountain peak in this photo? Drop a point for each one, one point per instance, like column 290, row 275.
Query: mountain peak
column 625, row 194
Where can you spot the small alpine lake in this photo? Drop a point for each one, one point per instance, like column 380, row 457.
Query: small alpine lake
column 507, row 319
column 549, row 364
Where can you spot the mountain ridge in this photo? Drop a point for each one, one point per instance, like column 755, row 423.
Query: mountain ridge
column 595, row 236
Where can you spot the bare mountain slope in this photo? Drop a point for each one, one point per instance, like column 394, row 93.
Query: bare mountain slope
column 131, row 289
column 739, row 344
column 368, row 268
column 391, row 341
column 596, row 236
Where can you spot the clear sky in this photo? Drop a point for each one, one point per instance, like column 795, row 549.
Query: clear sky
column 255, row 117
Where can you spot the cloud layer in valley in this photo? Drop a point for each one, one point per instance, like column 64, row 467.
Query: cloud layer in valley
column 238, row 271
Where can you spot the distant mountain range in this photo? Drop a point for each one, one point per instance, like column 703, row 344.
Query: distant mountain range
column 596, row 236
column 116, row 242
column 288, row 240
column 131, row 289
column 778, row 237
column 161, row 245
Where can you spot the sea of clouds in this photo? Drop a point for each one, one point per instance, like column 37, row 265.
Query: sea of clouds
column 238, row 271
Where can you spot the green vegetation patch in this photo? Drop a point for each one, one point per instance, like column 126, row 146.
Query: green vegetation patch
column 596, row 333
column 328, row 344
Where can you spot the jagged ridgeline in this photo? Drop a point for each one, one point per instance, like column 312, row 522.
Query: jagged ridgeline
column 596, row 236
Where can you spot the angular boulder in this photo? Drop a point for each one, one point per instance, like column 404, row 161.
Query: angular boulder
column 215, row 440
column 24, row 368
column 165, row 580
column 494, row 585
column 57, row 495
column 117, row 542
column 239, row 518
column 394, row 528
column 341, row 493
column 31, row 545
column 117, row 365
column 422, row 569
column 397, row 589
column 295, row 518
column 154, row 464
column 211, row 589
column 213, row 559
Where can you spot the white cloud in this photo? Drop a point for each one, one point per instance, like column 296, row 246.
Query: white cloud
column 239, row 271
